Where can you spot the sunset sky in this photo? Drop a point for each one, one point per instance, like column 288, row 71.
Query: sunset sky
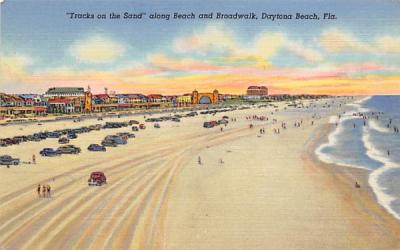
column 357, row 53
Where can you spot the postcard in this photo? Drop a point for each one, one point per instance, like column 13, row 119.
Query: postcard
column 188, row 125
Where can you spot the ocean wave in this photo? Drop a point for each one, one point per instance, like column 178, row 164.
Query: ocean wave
column 333, row 141
column 384, row 199
column 375, row 125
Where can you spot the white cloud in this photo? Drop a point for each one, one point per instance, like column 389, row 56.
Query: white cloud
column 14, row 67
column 219, row 39
column 388, row 44
column 336, row 40
column 96, row 49
column 298, row 49
column 213, row 38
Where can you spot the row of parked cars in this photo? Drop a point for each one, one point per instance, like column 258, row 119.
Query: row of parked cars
column 64, row 135
column 214, row 111
column 67, row 149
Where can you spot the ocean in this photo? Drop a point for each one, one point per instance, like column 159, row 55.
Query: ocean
column 367, row 137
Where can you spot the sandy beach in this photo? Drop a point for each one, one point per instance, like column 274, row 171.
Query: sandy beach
column 251, row 190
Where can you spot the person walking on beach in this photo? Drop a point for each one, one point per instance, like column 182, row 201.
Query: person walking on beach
column 48, row 191
column 43, row 191
column 33, row 159
column 199, row 160
column 38, row 190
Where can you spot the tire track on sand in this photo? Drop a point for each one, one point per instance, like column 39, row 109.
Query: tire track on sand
column 40, row 216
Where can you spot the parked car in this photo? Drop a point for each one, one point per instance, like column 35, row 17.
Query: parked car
column 156, row 125
column 131, row 122
column 72, row 136
column 207, row 125
column 49, row 152
column 135, row 128
column 97, row 179
column 53, row 135
column 63, row 140
column 175, row 119
column 142, row 126
column 8, row 160
column 96, row 147
column 117, row 139
column 126, row 135
column 108, row 143
column 68, row 149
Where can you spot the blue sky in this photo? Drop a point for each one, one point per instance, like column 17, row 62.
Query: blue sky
column 41, row 33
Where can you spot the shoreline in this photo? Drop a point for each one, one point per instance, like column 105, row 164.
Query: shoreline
column 362, row 200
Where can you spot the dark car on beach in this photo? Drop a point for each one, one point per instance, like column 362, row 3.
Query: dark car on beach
column 131, row 122
column 68, row 149
column 63, row 140
column 207, row 125
column 8, row 160
column 108, row 143
column 49, row 152
column 72, row 136
column 96, row 147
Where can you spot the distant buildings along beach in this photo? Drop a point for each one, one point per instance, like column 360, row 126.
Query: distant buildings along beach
column 75, row 100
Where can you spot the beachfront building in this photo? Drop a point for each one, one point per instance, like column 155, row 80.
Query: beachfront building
column 33, row 100
column 184, row 100
column 257, row 91
column 65, row 92
column 100, row 99
column 11, row 100
column 19, row 106
column 205, row 98
column 61, row 105
column 122, row 99
column 156, row 98
column 136, row 98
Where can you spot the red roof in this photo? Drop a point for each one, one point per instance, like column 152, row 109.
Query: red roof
column 59, row 100
column 40, row 108
column 155, row 96
column 101, row 96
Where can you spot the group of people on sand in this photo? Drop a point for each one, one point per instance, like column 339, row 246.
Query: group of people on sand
column 256, row 117
column 277, row 131
column 44, row 191
column 298, row 124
